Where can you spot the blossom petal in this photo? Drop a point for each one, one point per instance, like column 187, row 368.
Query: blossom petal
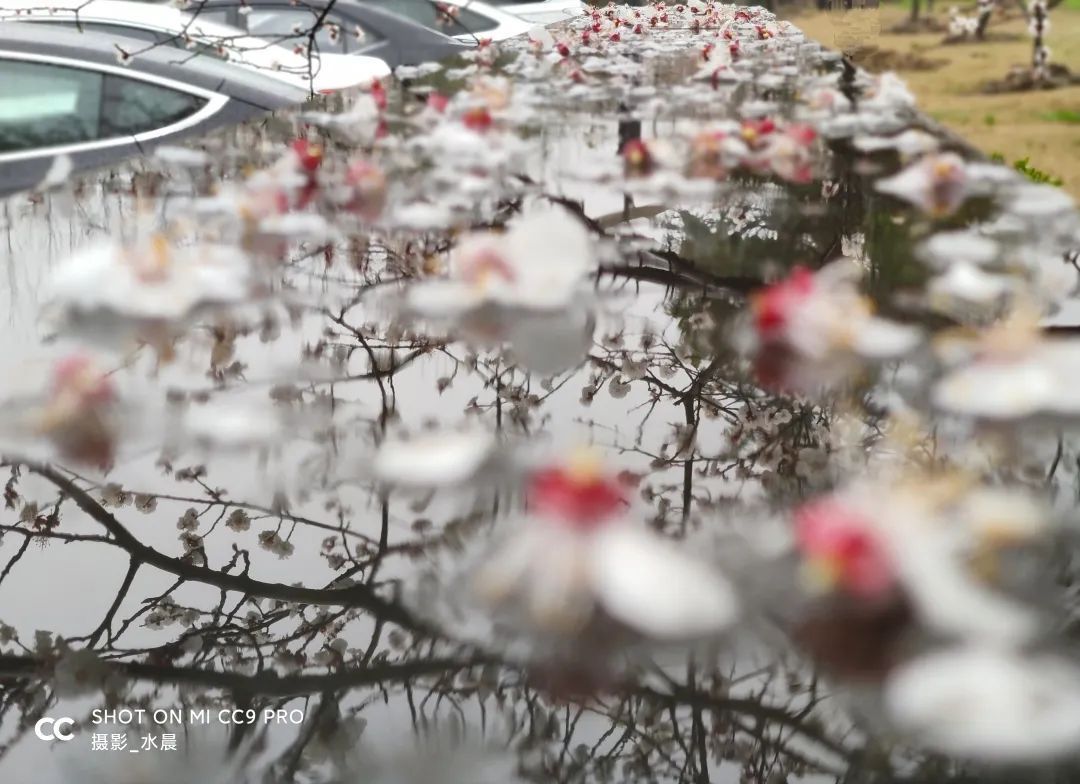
column 987, row 703
column 442, row 458
column 997, row 390
column 651, row 586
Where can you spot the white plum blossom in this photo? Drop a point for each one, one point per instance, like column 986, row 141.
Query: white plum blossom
column 441, row 458
column 908, row 144
column 540, row 263
column 937, row 184
column 821, row 314
column 78, row 413
column 1009, row 372
column 966, row 283
column 78, row 673
column 579, row 554
column 922, row 538
column 151, row 280
column 525, row 287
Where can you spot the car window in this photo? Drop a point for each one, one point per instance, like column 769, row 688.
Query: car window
column 43, row 105
column 216, row 15
column 130, row 107
column 286, row 25
column 447, row 19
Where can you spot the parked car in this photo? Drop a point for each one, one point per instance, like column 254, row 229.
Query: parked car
column 348, row 27
column 65, row 95
column 155, row 25
column 542, row 12
column 466, row 20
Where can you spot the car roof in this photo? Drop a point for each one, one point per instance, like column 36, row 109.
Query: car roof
column 197, row 70
column 376, row 16
column 133, row 13
column 255, row 53
column 500, row 16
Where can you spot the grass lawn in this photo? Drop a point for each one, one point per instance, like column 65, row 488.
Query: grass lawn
column 1042, row 126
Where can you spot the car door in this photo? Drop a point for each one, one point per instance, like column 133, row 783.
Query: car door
column 91, row 112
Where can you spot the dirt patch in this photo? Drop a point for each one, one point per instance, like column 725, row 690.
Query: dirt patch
column 1021, row 79
column 991, row 37
column 878, row 60
column 924, row 24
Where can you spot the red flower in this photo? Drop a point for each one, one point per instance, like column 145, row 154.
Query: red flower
column 637, row 157
column 839, row 542
column 78, row 376
column 754, row 131
column 772, row 306
column 581, row 501
column 803, row 133
column 478, row 119
column 378, row 92
column 438, row 102
column 308, row 155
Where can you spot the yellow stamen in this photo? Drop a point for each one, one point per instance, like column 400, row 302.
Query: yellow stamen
column 821, row 573
column 584, row 465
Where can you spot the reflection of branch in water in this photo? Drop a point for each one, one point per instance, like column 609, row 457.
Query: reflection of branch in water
column 264, row 684
column 358, row 596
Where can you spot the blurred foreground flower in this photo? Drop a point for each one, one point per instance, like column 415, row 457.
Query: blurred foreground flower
column 933, row 542
column 109, row 289
column 526, row 287
column 1008, row 372
column 937, row 184
column 819, row 313
column 80, row 415
column 580, row 558
column 436, row 459
column 988, row 703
